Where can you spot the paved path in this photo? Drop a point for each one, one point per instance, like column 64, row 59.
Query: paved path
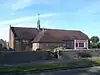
column 85, row 71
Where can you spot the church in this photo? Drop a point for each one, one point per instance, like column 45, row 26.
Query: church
column 32, row 39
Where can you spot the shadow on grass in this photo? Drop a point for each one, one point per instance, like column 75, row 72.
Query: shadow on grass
column 83, row 67
column 72, row 67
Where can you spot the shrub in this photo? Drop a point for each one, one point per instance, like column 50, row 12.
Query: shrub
column 84, row 54
column 52, row 54
column 38, row 49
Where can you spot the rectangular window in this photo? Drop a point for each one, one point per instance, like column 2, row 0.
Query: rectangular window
column 81, row 44
column 76, row 44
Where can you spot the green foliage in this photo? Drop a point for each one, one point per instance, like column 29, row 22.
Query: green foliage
column 94, row 42
column 38, row 49
column 84, row 55
column 58, row 49
column 52, row 54
column 98, row 45
column 94, row 39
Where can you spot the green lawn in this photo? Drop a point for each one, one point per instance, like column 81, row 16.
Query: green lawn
column 75, row 63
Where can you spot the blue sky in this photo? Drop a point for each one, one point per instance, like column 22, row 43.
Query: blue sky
column 81, row 15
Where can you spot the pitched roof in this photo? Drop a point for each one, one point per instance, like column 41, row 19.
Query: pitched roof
column 2, row 41
column 48, row 35
column 25, row 33
column 56, row 35
column 44, row 36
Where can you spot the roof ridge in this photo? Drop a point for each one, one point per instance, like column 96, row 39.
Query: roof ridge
column 60, row 29
column 21, row 27
column 45, row 28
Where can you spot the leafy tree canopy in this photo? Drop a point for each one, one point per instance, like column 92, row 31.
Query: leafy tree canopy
column 94, row 39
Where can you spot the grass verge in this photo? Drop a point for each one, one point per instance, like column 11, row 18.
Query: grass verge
column 75, row 63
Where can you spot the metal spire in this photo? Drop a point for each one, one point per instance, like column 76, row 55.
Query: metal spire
column 38, row 22
column 38, row 16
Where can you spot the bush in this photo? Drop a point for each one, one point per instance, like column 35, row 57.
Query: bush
column 38, row 49
column 84, row 54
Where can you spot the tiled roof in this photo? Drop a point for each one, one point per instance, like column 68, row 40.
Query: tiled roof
column 55, row 35
column 48, row 35
column 25, row 33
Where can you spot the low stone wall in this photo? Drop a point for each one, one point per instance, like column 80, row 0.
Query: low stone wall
column 74, row 53
column 12, row 57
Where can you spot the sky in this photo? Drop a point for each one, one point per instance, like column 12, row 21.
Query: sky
column 81, row 15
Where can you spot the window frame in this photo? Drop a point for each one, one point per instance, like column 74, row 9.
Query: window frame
column 82, row 45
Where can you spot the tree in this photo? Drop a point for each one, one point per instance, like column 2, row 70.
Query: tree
column 98, row 45
column 94, row 39
column 94, row 42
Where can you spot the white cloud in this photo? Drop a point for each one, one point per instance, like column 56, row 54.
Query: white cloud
column 28, row 18
column 11, row 7
column 21, row 4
